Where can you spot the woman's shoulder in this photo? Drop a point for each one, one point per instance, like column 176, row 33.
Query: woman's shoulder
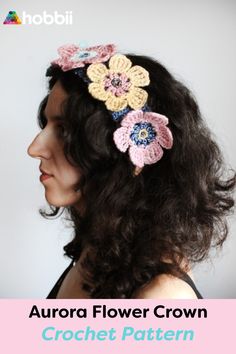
column 165, row 286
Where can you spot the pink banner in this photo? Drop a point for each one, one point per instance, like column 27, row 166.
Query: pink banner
column 117, row 326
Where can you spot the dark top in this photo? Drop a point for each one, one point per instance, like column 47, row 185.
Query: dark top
column 53, row 293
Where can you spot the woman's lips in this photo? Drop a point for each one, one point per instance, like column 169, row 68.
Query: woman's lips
column 44, row 176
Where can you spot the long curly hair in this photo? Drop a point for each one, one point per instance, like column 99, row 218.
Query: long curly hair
column 137, row 227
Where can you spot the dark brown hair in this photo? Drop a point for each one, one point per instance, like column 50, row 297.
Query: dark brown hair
column 173, row 210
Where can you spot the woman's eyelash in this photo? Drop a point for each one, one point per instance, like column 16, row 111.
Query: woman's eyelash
column 58, row 125
column 60, row 129
column 44, row 122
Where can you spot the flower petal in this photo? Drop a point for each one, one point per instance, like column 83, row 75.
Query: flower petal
column 97, row 72
column 165, row 137
column 156, row 118
column 136, row 155
column 63, row 63
column 67, row 50
column 119, row 63
column 121, row 139
column 116, row 104
column 138, row 76
column 104, row 52
column 152, row 153
column 131, row 118
column 137, row 98
column 97, row 91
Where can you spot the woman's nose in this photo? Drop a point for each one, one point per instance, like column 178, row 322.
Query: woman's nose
column 38, row 148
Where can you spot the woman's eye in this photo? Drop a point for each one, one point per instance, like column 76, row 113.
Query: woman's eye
column 60, row 130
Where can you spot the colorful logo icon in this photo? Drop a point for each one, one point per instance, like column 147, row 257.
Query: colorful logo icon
column 12, row 19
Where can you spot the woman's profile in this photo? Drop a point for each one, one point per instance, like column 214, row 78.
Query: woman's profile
column 126, row 155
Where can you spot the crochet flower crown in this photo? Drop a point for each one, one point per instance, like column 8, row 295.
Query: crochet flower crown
column 111, row 78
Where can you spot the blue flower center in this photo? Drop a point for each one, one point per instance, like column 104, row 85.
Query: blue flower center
column 143, row 133
column 83, row 54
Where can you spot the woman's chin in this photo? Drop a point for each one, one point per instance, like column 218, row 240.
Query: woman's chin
column 62, row 200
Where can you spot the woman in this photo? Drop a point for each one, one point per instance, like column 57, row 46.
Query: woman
column 124, row 150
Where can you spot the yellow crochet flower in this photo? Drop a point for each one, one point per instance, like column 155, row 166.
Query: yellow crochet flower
column 119, row 86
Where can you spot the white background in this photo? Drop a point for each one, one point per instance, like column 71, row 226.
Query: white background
column 195, row 40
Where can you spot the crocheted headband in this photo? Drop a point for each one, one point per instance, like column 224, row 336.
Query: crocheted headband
column 111, row 78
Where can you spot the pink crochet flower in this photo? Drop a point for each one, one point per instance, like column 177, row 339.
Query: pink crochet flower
column 72, row 57
column 117, row 83
column 144, row 133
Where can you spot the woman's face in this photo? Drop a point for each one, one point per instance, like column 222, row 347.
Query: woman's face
column 58, row 176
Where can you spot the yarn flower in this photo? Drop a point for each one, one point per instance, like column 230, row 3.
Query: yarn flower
column 144, row 134
column 119, row 85
column 72, row 57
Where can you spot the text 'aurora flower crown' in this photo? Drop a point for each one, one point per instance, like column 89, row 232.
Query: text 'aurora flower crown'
column 111, row 78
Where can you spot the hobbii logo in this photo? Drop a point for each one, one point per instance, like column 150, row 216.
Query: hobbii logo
column 47, row 19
